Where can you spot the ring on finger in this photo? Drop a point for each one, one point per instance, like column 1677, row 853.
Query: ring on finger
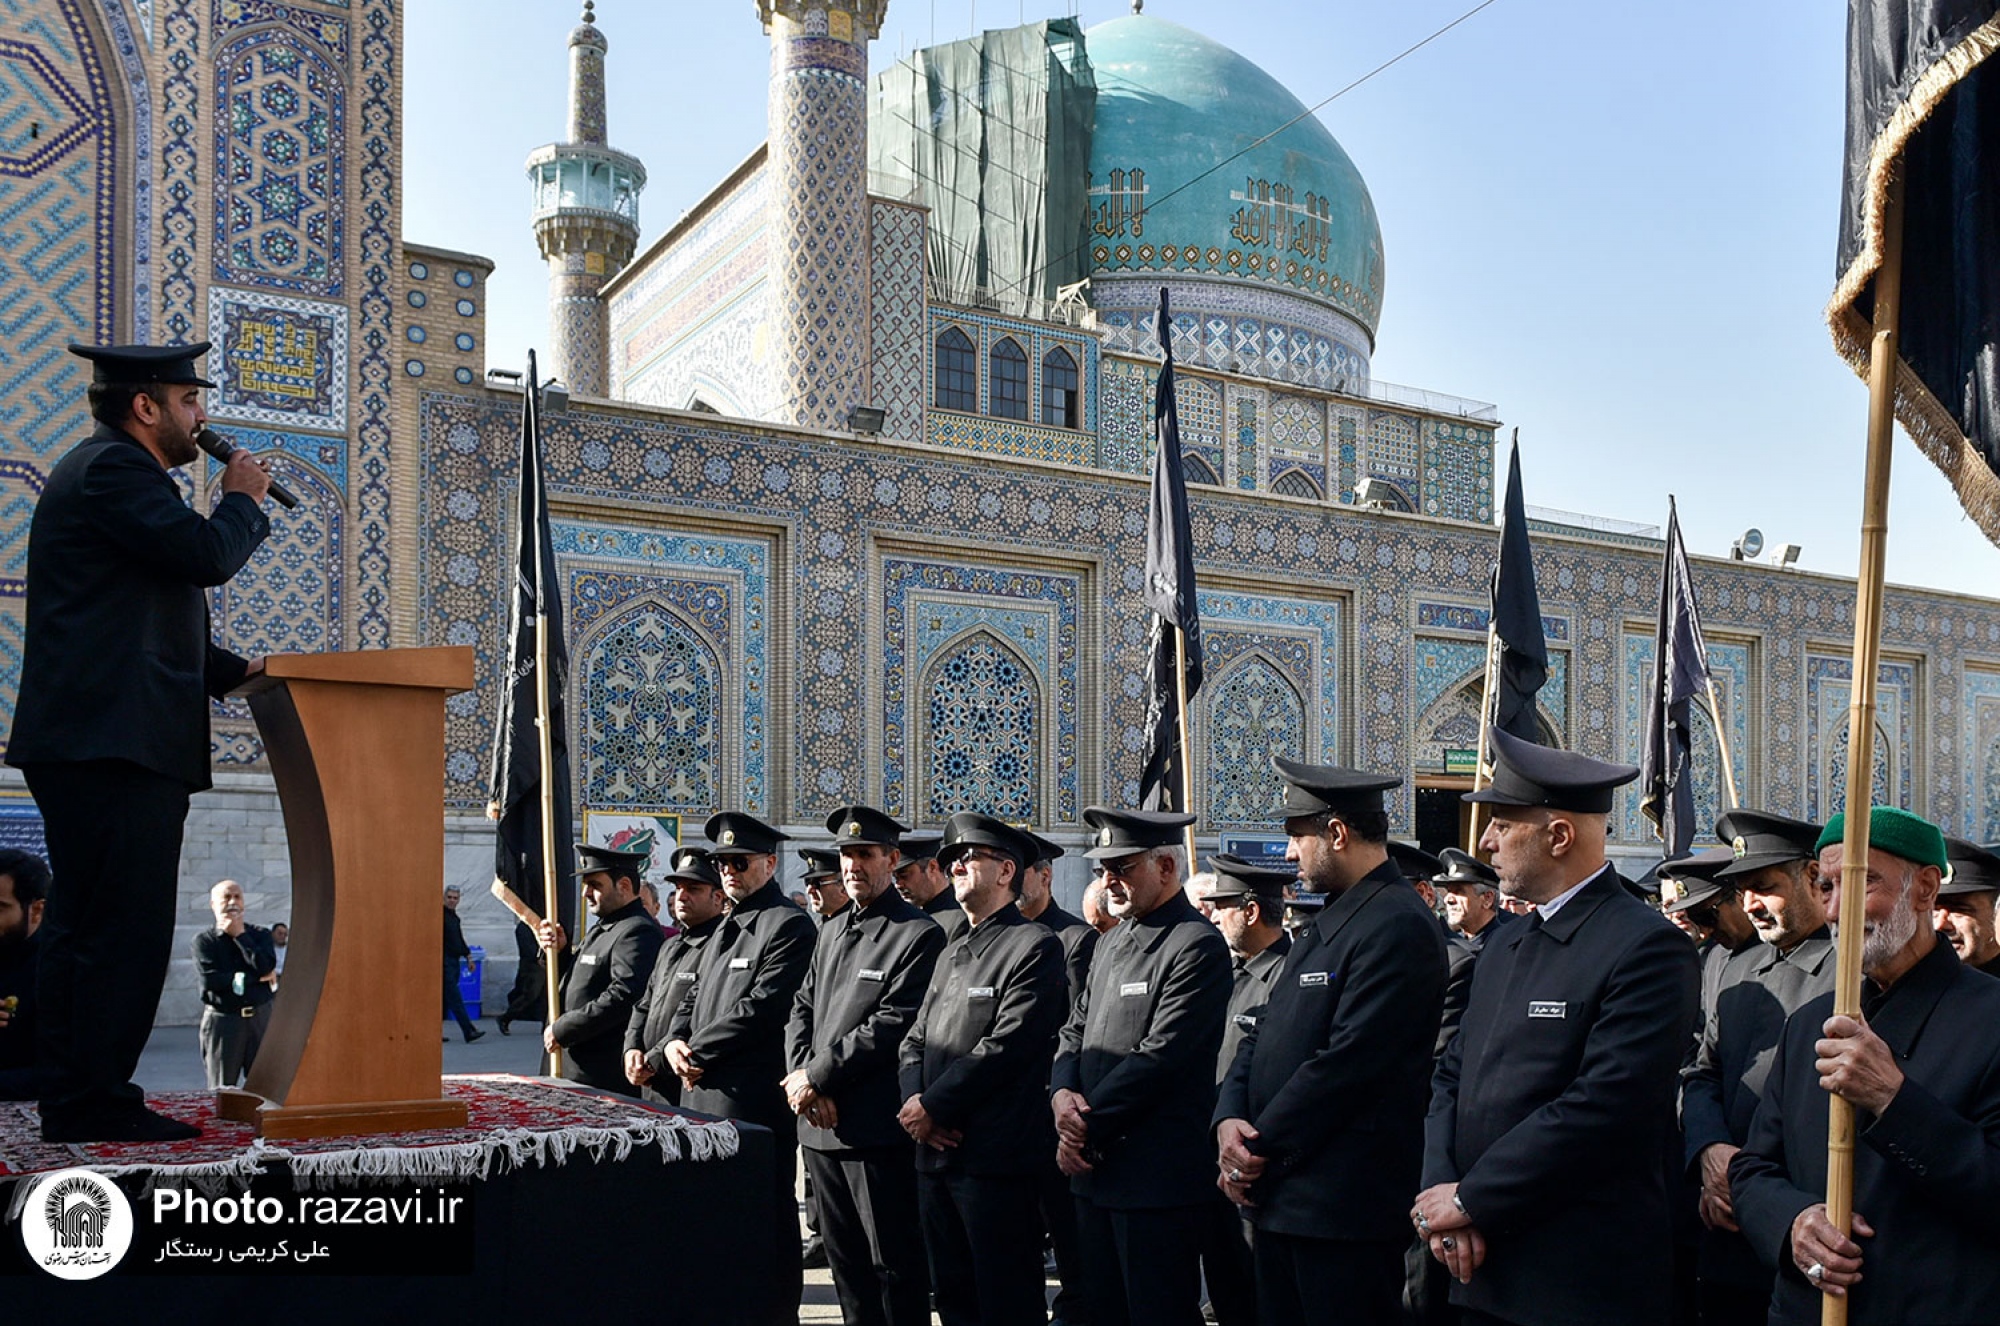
column 1423, row 1226
column 1236, row 1176
column 1449, row 1242
column 1816, row 1272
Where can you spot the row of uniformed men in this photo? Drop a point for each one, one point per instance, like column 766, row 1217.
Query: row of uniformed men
column 1537, row 1174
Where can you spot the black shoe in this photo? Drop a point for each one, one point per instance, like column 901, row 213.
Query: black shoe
column 814, row 1255
column 472, row 1034
column 503, row 1023
column 136, row 1124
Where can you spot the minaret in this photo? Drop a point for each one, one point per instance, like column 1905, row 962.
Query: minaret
column 586, row 219
column 818, row 165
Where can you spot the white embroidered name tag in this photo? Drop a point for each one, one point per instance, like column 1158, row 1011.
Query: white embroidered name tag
column 1245, row 1020
column 1130, row 988
column 978, row 992
column 873, row 974
column 587, row 959
column 683, row 975
column 739, row 964
column 1548, row 1008
column 1312, row 978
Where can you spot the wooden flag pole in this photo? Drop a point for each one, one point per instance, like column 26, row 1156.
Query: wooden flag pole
column 1481, row 775
column 1187, row 744
column 1861, row 706
column 548, row 817
column 1722, row 743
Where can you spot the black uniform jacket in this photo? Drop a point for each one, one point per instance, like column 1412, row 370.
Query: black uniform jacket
column 1079, row 942
column 1554, row 1107
column 980, row 1048
column 1139, row 1046
column 1462, row 954
column 651, row 1025
column 1757, row 990
column 868, row 975
column 1335, row 1076
column 600, row 985
column 118, row 664
column 219, row 958
column 455, row 946
column 1247, row 998
column 944, row 909
column 1926, row 1170
column 734, row 1022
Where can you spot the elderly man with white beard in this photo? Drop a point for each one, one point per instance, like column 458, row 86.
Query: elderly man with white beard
column 1921, row 1067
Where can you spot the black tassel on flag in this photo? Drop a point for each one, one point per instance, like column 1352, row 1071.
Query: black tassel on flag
column 1680, row 672
column 1517, row 620
column 1170, row 593
column 517, row 766
column 1918, row 108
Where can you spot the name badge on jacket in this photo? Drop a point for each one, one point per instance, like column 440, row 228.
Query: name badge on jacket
column 683, row 975
column 978, row 992
column 1548, row 1008
column 873, row 974
column 1312, row 978
column 587, row 959
column 1246, row 1020
column 739, row 964
column 1131, row 988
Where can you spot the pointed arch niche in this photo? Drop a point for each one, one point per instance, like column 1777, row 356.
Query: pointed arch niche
column 982, row 740
column 648, row 695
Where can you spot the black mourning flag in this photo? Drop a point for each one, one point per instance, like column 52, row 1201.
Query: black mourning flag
column 1169, row 591
column 1680, row 672
column 1918, row 105
column 1517, row 619
column 517, row 758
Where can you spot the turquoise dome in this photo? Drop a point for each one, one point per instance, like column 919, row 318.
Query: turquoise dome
column 1291, row 214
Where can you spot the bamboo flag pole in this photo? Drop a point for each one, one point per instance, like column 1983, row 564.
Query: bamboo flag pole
column 1861, row 707
column 1481, row 769
column 548, row 817
column 1722, row 743
column 1187, row 745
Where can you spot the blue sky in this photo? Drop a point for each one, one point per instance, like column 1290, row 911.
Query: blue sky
column 1615, row 221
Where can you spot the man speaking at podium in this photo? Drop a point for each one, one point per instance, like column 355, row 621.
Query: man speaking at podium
column 111, row 728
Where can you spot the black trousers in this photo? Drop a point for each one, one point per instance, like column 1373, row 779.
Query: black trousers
column 867, row 1208
column 1226, row 1264
column 983, row 1233
column 1072, row 1305
column 1144, row 1266
column 1329, row 1282
column 114, row 837
column 454, row 998
column 527, row 998
column 229, row 1043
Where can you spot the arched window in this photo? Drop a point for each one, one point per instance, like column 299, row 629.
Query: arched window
column 1059, row 389
column 1196, row 470
column 1296, row 483
column 1010, row 380
column 957, row 372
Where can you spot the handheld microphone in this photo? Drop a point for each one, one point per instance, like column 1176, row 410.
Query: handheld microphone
column 220, row 447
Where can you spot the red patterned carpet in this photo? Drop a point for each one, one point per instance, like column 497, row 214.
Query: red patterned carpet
column 514, row 1121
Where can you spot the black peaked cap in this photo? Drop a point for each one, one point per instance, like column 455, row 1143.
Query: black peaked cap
column 1525, row 774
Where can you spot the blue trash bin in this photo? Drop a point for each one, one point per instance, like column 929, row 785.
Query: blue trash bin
column 470, row 971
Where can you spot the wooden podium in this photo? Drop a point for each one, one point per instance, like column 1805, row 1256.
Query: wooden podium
column 356, row 744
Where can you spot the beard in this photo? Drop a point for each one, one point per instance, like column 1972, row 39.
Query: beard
column 176, row 442
column 1884, row 940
